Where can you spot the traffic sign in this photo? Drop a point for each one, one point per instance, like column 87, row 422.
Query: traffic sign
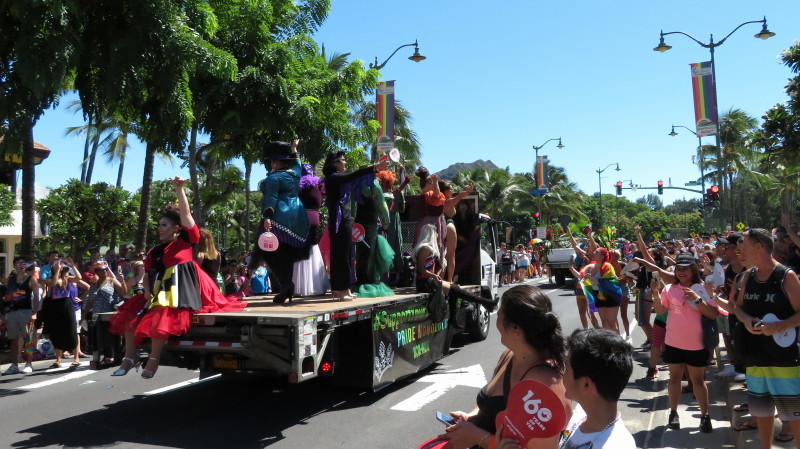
column 740, row 226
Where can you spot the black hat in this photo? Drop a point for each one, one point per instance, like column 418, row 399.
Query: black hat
column 278, row 150
column 722, row 241
column 685, row 260
column 734, row 238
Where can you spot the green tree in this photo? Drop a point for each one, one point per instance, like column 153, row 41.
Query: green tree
column 82, row 216
column 683, row 206
column 36, row 63
column 652, row 201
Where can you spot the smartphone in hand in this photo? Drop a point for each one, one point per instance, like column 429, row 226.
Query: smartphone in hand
column 445, row 419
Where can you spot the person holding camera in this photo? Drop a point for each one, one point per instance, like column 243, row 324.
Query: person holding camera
column 769, row 308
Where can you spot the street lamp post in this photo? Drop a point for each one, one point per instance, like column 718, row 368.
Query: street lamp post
column 699, row 152
column 536, row 161
column 416, row 57
column 600, row 189
column 764, row 34
column 536, row 179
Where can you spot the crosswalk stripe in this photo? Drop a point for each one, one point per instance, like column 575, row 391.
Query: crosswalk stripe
column 66, row 378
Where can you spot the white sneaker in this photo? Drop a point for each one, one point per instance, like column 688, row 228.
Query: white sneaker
column 727, row 371
column 13, row 369
column 28, row 369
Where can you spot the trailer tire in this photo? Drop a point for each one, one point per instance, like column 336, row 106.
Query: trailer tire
column 478, row 327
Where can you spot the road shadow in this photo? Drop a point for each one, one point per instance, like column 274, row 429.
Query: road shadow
column 218, row 413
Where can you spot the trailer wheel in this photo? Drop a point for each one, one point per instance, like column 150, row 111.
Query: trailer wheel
column 561, row 277
column 478, row 328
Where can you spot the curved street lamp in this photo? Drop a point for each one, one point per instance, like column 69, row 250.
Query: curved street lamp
column 699, row 152
column 764, row 34
column 600, row 188
column 416, row 57
column 711, row 45
column 536, row 149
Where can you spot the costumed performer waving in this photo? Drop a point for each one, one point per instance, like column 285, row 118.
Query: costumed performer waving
column 174, row 288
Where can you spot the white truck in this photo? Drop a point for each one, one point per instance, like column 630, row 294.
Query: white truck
column 366, row 343
column 558, row 262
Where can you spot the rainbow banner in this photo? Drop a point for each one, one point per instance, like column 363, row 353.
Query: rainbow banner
column 705, row 111
column 541, row 173
column 384, row 106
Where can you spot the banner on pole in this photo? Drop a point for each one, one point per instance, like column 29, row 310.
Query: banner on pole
column 542, row 177
column 705, row 111
column 385, row 114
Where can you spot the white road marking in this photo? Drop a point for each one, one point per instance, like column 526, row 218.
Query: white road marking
column 179, row 385
column 471, row 376
column 58, row 380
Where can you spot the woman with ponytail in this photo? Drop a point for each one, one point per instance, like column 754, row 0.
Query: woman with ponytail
column 536, row 350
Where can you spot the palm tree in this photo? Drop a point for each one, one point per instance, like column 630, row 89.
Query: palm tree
column 406, row 139
column 502, row 194
column 736, row 154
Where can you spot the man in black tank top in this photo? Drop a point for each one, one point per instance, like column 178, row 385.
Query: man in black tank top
column 769, row 307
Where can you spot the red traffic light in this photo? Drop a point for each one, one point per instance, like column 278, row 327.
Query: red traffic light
column 536, row 214
column 619, row 183
column 714, row 189
column 661, row 183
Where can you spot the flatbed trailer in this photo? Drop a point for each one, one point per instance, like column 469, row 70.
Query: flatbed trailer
column 368, row 342
column 364, row 343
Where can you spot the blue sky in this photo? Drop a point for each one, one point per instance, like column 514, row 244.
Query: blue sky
column 502, row 77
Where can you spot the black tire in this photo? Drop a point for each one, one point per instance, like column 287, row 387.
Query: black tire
column 561, row 277
column 478, row 327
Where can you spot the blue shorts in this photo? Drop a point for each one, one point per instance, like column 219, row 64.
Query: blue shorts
column 774, row 387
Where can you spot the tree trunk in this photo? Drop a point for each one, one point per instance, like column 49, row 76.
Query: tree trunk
column 197, row 207
column 86, row 148
column 144, row 208
column 248, row 168
column 28, row 193
column 121, row 162
column 92, row 157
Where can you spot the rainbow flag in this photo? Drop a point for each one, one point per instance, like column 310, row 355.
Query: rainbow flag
column 384, row 106
column 541, row 173
column 705, row 111
column 608, row 284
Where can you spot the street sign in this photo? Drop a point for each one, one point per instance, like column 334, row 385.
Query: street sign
column 740, row 226
column 692, row 183
column 539, row 192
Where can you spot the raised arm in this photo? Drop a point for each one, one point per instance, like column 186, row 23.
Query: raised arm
column 642, row 245
column 187, row 221
column 580, row 252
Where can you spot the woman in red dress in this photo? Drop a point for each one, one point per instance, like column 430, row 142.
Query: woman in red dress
column 174, row 288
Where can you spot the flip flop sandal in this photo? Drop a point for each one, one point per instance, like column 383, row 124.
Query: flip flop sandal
column 74, row 365
column 784, row 437
column 55, row 365
column 743, row 407
column 743, row 426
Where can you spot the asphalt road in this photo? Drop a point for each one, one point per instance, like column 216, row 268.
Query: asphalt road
column 88, row 409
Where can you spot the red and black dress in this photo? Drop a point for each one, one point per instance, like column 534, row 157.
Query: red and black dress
column 181, row 288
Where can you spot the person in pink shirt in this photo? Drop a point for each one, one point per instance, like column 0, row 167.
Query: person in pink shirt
column 687, row 301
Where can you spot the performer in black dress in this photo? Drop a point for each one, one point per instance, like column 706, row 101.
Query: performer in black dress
column 338, row 186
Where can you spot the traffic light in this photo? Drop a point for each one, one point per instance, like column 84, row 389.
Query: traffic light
column 660, row 187
column 714, row 193
column 619, row 187
column 536, row 218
